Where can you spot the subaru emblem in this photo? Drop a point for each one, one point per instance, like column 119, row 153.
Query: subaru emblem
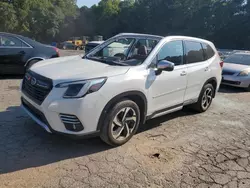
column 33, row 81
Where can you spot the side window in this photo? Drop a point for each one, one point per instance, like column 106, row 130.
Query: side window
column 194, row 52
column 208, row 50
column 173, row 52
column 8, row 41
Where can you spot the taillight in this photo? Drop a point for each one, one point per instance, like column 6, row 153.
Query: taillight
column 57, row 51
column 221, row 64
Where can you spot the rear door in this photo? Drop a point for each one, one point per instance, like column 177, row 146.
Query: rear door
column 12, row 54
column 197, row 70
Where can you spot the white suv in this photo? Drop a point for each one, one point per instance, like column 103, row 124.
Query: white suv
column 110, row 95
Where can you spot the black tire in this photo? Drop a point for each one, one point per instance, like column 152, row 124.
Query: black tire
column 198, row 105
column 31, row 63
column 106, row 130
column 248, row 89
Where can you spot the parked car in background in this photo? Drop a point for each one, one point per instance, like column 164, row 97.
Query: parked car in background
column 109, row 94
column 222, row 55
column 225, row 53
column 236, row 70
column 91, row 45
column 68, row 46
column 18, row 53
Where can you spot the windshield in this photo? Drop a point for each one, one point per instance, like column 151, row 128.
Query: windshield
column 124, row 51
column 241, row 59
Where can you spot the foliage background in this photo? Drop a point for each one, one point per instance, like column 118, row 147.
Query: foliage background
column 225, row 22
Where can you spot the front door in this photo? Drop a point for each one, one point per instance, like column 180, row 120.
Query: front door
column 167, row 90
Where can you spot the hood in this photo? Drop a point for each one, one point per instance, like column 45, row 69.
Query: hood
column 234, row 67
column 74, row 68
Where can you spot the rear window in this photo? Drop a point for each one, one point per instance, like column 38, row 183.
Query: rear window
column 208, row 51
column 241, row 59
column 194, row 52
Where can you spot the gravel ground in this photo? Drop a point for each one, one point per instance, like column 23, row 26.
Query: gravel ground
column 183, row 149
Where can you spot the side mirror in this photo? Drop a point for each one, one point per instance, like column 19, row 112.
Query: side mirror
column 164, row 65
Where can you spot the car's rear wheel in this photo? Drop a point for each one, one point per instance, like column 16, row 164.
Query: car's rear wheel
column 121, row 123
column 205, row 98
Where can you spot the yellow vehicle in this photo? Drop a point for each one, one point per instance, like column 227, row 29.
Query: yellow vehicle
column 79, row 42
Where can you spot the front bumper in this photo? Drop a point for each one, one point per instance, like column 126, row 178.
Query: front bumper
column 236, row 81
column 47, row 115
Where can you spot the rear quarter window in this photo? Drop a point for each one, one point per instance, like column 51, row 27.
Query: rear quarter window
column 208, row 51
column 194, row 52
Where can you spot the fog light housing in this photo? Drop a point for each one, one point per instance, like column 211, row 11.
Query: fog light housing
column 71, row 122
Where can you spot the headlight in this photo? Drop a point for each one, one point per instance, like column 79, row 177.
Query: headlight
column 244, row 73
column 78, row 89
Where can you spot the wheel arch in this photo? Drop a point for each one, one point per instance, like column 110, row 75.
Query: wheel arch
column 214, row 83
column 137, row 96
column 33, row 58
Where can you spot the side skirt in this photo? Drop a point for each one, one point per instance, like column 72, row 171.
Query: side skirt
column 165, row 111
column 171, row 109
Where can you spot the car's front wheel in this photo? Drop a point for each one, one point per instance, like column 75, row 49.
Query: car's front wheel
column 121, row 123
column 205, row 98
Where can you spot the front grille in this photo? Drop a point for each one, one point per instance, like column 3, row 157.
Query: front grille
column 228, row 73
column 38, row 114
column 71, row 122
column 36, row 87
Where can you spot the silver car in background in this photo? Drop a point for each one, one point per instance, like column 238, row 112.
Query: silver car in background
column 236, row 70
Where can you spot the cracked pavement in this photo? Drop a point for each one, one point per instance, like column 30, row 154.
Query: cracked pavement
column 183, row 149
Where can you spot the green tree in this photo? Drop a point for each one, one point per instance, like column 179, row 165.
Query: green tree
column 8, row 19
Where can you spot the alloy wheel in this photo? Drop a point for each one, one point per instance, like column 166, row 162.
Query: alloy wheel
column 123, row 123
column 207, row 98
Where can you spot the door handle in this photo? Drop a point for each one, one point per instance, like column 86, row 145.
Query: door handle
column 184, row 73
column 206, row 69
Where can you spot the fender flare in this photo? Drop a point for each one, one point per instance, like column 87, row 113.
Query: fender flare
column 116, row 99
column 213, row 79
